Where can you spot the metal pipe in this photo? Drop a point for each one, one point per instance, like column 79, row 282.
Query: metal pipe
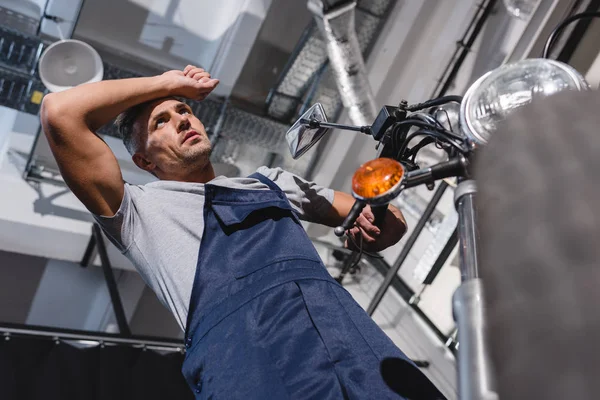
column 475, row 377
column 467, row 229
column 42, row 18
column 8, row 331
column 454, row 167
column 387, row 281
column 29, row 163
column 443, row 257
column 111, row 283
column 89, row 252
column 323, row 124
column 77, row 17
column 465, row 47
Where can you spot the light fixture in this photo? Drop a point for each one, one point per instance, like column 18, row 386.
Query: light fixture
column 68, row 63
column 521, row 9
column 499, row 92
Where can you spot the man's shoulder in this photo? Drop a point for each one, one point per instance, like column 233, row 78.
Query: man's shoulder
column 271, row 173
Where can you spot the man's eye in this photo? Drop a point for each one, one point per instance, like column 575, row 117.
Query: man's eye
column 160, row 122
column 184, row 111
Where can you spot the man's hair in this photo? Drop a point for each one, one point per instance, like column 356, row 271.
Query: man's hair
column 125, row 124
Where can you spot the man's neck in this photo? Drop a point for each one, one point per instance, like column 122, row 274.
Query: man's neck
column 203, row 175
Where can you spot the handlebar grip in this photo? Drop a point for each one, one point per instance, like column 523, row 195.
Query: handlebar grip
column 350, row 218
column 379, row 214
column 454, row 167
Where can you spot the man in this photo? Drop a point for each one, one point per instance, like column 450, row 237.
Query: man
column 262, row 316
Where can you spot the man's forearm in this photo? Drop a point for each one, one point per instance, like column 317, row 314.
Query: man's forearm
column 95, row 104
column 342, row 203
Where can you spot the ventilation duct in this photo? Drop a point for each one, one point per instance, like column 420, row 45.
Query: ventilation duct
column 337, row 27
column 307, row 78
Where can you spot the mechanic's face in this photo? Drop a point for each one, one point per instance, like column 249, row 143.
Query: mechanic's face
column 176, row 143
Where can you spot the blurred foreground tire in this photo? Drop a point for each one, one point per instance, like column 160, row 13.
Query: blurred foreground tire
column 539, row 207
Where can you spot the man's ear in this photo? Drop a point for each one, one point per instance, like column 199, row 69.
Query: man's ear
column 143, row 163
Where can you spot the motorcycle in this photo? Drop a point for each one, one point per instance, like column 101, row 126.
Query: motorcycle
column 404, row 130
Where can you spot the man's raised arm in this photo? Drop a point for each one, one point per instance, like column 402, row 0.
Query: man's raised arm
column 70, row 118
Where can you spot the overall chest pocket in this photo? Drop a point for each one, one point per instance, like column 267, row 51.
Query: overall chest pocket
column 260, row 234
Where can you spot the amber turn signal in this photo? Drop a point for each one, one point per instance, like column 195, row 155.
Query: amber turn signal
column 376, row 177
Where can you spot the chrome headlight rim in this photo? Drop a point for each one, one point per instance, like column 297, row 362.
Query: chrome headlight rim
column 466, row 124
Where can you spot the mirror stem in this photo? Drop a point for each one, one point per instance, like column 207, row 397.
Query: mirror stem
column 314, row 124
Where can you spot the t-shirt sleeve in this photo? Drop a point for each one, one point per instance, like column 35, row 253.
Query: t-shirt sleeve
column 120, row 227
column 311, row 201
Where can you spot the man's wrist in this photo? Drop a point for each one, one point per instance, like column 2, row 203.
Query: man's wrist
column 164, row 86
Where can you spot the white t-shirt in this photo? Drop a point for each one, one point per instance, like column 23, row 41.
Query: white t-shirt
column 159, row 227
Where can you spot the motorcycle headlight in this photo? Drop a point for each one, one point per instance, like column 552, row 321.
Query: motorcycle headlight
column 496, row 94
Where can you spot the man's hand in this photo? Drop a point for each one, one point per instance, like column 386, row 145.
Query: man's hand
column 192, row 83
column 373, row 238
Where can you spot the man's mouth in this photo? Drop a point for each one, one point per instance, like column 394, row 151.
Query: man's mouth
column 190, row 135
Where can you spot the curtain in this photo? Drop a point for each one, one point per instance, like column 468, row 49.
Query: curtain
column 33, row 368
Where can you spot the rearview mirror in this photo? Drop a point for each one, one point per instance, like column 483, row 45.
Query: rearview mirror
column 301, row 136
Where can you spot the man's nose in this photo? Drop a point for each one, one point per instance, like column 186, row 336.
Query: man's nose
column 183, row 123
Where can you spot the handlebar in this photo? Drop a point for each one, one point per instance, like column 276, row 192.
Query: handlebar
column 454, row 167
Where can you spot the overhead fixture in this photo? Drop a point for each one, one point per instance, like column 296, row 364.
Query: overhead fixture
column 521, row 9
column 68, row 63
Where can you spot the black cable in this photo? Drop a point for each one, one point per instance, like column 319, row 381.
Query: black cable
column 428, row 118
column 342, row 274
column 396, row 136
column 552, row 38
column 421, row 123
column 434, row 134
column 444, row 137
column 442, row 128
column 434, row 102
column 412, row 152
column 359, row 257
column 440, row 132
column 367, row 253
column 447, row 117
column 417, row 122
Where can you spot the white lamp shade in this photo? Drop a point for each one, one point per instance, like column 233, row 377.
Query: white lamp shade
column 69, row 63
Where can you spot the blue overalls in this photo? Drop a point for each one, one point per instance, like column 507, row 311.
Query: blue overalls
column 267, row 321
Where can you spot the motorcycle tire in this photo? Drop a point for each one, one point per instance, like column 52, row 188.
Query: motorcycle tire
column 538, row 194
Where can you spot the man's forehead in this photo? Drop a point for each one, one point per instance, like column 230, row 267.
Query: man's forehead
column 160, row 105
